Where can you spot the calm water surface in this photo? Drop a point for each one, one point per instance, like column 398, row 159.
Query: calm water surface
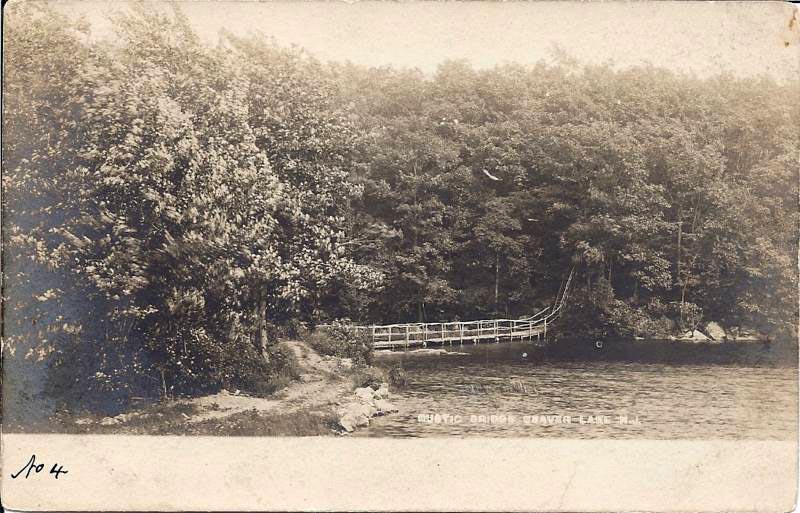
column 673, row 391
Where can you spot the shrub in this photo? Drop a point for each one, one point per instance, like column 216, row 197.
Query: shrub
column 237, row 366
column 284, row 369
column 398, row 378
column 371, row 377
column 342, row 340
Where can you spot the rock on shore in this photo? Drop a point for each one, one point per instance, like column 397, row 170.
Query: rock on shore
column 714, row 333
column 367, row 403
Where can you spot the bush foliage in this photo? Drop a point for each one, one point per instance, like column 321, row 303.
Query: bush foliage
column 341, row 339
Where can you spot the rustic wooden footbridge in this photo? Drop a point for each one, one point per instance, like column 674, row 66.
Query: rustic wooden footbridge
column 390, row 336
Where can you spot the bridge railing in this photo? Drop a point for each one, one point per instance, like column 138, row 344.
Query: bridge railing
column 538, row 315
column 414, row 333
column 408, row 334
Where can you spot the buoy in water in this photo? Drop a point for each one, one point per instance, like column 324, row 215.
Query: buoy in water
column 598, row 344
column 524, row 355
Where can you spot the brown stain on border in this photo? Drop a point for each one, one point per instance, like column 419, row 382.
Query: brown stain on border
column 792, row 29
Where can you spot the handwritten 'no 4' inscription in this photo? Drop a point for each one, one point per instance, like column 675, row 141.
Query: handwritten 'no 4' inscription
column 32, row 467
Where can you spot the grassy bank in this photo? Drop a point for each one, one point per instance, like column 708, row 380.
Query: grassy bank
column 303, row 403
column 176, row 419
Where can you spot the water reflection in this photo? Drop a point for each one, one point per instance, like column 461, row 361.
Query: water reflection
column 688, row 392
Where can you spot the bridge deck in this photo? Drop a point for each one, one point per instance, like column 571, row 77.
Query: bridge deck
column 390, row 336
column 412, row 335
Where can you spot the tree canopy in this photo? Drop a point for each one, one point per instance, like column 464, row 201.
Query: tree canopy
column 169, row 204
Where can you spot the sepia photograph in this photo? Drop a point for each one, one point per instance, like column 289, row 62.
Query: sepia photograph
column 473, row 223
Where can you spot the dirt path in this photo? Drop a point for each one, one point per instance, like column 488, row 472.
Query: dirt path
column 323, row 382
column 330, row 396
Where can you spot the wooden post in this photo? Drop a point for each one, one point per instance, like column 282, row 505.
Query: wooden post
column 496, row 338
column 407, row 338
column 461, row 332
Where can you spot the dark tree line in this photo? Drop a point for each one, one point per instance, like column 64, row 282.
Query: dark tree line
column 170, row 205
column 675, row 197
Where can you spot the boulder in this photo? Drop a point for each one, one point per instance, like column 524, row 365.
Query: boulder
column 364, row 394
column 123, row 417
column 349, row 423
column 366, row 409
column 344, row 410
column 354, row 415
column 346, row 363
column 357, row 409
column 693, row 337
column 715, row 331
column 83, row 422
column 745, row 335
column 108, row 421
column 382, row 392
column 369, row 411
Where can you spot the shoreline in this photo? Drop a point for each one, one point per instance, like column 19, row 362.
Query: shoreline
column 328, row 398
column 452, row 349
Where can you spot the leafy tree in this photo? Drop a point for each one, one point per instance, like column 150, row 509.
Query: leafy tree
column 178, row 220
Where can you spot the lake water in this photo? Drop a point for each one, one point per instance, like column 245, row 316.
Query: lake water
column 656, row 390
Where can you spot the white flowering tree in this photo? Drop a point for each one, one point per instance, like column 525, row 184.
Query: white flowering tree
column 185, row 199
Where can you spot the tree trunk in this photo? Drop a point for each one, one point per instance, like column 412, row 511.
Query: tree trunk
column 684, row 280
column 678, row 259
column 496, row 283
column 685, row 285
column 164, row 383
column 261, row 325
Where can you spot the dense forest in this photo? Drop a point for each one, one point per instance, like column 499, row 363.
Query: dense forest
column 172, row 207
